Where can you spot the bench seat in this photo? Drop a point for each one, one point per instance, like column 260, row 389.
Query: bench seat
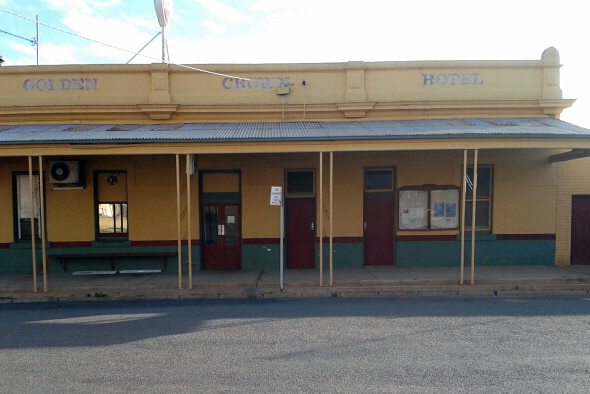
column 110, row 254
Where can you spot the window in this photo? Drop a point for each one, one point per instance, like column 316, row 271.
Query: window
column 379, row 180
column 111, row 203
column 24, row 211
column 112, row 218
column 483, row 199
column 300, row 183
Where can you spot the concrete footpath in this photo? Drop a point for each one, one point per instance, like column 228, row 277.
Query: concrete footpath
column 509, row 281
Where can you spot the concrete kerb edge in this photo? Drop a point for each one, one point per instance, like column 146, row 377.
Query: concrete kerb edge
column 299, row 290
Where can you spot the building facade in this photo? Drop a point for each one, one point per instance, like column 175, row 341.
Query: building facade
column 386, row 163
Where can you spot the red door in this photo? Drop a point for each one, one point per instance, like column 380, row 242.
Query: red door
column 580, row 247
column 300, row 233
column 378, row 229
column 221, row 237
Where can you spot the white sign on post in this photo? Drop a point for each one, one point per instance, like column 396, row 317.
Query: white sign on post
column 276, row 195
column 276, row 199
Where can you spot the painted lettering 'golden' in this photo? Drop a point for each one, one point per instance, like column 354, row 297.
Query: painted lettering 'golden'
column 43, row 85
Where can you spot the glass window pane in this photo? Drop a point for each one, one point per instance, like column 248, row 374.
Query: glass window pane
column 112, row 218
column 300, row 183
column 24, row 209
column 482, row 215
column 378, row 180
column 210, row 225
column 484, row 182
column 121, row 213
column 231, row 225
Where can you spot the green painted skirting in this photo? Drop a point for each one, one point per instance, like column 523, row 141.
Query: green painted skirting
column 260, row 257
column 346, row 255
column 267, row 256
column 19, row 261
column 527, row 252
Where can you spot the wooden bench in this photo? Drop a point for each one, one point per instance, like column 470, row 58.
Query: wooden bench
column 109, row 254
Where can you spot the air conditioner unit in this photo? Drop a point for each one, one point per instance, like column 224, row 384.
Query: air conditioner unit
column 61, row 172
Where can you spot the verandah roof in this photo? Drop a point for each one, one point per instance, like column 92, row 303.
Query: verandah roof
column 289, row 131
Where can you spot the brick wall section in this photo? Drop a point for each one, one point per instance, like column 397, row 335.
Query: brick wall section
column 573, row 178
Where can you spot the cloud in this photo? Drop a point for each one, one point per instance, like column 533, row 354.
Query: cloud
column 86, row 26
column 219, row 17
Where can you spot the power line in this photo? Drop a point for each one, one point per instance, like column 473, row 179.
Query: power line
column 65, row 31
column 109, row 45
column 33, row 40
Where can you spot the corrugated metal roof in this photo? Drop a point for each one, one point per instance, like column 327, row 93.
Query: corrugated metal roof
column 289, row 131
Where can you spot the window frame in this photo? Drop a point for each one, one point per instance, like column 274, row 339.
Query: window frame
column 366, row 179
column 123, row 219
column 420, row 210
column 17, row 229
column 478, row 198
column 296, row 194
column 124, row 204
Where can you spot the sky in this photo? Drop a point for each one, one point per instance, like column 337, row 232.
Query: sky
column 304, row 31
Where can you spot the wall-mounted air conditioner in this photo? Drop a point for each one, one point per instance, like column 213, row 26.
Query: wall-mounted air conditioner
column 64, row 172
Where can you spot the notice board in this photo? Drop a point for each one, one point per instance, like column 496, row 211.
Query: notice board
column 429, row 207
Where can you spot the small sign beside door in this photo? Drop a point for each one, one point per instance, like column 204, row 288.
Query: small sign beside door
column 276, row 195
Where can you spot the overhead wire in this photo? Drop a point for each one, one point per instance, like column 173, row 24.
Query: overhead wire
column 116, row 47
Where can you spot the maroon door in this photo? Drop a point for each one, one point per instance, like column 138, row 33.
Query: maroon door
column 580, row 248
column 378, row 229
column 300, row 233
column 221, row 237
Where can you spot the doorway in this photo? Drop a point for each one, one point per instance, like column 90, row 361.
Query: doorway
column 378, row 216
column 221, row 236
column 300, row 234
column 300, row 227
column 221, row 220
column 580, row 235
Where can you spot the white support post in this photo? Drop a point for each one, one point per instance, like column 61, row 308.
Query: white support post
column 281, row 246
column 321, row 219
column 32, row 203
column 178, row 221
column 331, row 218
column 188, row 220
column 42, row 223
column 463, row 203
column 473, row 211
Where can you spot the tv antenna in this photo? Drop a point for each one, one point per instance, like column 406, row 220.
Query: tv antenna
column 34, row 41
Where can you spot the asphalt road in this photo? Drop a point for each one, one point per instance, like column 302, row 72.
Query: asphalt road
column 371, row 345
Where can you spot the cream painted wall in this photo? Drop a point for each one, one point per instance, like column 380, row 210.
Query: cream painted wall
column 278, row 92
column 111, row 85
column 467, row 81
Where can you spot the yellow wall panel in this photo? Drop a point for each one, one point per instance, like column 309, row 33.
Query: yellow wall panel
column 158, row 171
column 259, row 218
column 70, row 215
column 153, row 214
column 524, row 210
column 111, row 186
column 221, row 183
